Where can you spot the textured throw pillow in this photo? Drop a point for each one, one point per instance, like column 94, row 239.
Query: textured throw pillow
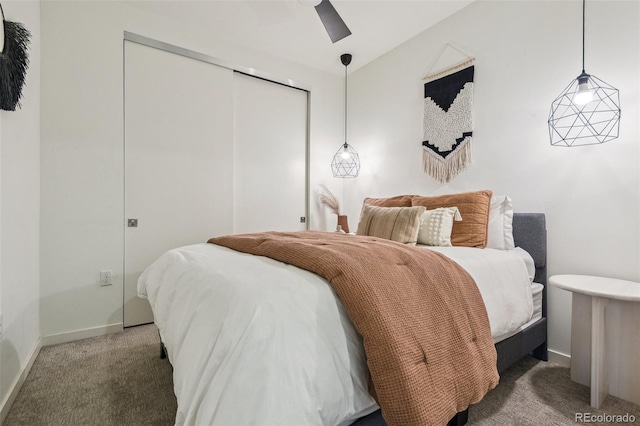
column 474, row 209
column 397, row 201
column 500, row 234
column 436, row 225
column 392, row 223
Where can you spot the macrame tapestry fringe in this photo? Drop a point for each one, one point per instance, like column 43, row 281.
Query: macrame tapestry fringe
column 445, row 170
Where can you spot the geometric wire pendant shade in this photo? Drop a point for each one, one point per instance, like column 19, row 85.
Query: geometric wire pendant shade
column 346, row 161
column 587, row 112
column 598, row 121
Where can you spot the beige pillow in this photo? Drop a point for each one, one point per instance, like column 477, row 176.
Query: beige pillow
column 474, row 209
column 436, row 226
column 392, row 223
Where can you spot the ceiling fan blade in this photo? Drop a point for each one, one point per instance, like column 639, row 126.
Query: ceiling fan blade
column 333, row 23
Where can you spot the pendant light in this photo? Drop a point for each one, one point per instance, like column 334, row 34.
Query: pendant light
column 587, row 112
column 346, row 162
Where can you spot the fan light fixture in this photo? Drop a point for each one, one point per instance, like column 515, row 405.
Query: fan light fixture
column 333, row 23
column 587, row 112
column 346, row 162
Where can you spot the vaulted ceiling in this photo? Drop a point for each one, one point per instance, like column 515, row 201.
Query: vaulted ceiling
column 291, row 30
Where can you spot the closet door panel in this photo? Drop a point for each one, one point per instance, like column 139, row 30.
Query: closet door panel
column 270, row 133
column 178, row 159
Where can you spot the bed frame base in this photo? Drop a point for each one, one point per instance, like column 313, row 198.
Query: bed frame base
column 163, row 348
column 459, row 419
column 376, row 419
column 163, row 351
column 532, row 340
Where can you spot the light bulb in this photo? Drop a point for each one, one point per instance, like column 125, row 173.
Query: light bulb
column 345, row 155
column 584, row 95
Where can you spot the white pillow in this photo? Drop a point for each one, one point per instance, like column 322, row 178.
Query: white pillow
column 500, row 233
column 436, row 225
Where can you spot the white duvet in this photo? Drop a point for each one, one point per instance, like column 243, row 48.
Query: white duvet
column 255, row 341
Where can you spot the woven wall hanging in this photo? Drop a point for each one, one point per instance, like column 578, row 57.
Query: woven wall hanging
column 14, row 61
column 448, row 118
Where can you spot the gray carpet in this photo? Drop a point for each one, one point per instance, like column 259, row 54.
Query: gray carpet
column 120, row 379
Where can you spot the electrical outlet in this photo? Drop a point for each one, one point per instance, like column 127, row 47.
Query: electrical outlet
column 105, row 277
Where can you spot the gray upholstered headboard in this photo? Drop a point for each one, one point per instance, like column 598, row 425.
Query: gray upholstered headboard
column 530, row 233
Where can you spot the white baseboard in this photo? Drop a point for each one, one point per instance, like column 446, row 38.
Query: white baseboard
column 559, row 358
column 17, row 384
column 71, row 336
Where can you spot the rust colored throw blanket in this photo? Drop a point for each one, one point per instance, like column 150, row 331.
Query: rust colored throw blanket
column 424, row 325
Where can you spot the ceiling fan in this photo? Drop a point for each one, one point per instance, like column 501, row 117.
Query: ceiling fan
column 333, row 23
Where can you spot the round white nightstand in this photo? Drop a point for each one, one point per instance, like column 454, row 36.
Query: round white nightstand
column 600, row 289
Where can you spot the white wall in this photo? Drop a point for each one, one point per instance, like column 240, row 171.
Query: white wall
column 525, row 57
column 527, row 52
column 20, row 214
column 82, row 150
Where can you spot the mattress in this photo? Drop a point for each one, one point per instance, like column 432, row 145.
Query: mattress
column 536, row 292
column 248, row 331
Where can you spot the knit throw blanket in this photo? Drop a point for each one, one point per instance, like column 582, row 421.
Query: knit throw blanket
column 424, row 325
column 448, row 122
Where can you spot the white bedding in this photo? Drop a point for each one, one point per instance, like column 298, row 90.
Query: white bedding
column 504, row 280
column 255, row 341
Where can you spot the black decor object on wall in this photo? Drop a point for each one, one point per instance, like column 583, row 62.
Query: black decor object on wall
column 14, row 61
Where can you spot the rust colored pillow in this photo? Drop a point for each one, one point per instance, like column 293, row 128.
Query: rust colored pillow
column 397, row 201
column 474, row 208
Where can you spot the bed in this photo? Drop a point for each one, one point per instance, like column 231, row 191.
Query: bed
column 324, row 350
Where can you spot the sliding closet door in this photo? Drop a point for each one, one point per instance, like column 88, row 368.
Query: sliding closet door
column 270, row 133
column 178, row 159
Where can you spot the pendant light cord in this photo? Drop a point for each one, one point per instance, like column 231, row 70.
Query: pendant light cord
column 345, row 104
column 583, row 15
